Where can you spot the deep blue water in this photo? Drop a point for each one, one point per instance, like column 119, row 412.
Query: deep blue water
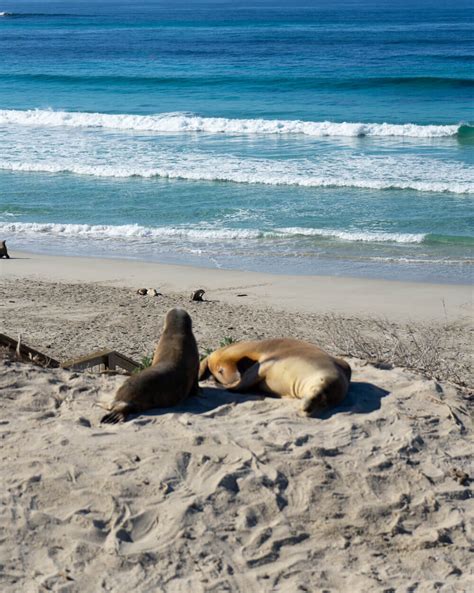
column 329, row 138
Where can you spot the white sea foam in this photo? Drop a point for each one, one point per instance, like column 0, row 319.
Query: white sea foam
column 184, row 122
column 364, row 236
column 127, row 232
column 420, row 260
column 139, row 233
column 250, row 171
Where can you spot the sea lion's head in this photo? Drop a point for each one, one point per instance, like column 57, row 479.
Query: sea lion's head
column 224, row 371
column 178, row 320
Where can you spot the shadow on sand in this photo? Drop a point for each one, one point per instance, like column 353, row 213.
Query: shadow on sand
column 362, row 398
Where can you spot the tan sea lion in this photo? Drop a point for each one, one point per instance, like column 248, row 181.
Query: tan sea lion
column 3, row 250
column 284, row 367
column 172, row 377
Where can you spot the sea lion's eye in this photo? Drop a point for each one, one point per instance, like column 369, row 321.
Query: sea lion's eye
column 220, row 371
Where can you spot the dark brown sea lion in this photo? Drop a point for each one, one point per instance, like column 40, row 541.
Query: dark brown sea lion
column 3, row 250
column 197, row 295
column 172, row 377
column 284, row 367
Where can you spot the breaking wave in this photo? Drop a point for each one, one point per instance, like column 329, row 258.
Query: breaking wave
column 136, row 232
column 359, row 236
column 232, row 172
column 185, row 122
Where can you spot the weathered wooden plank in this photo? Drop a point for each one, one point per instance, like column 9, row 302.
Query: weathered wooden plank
column 108, row 359
column 28, row 354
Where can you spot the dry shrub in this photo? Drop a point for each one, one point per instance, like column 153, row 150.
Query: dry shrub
column 440, row 351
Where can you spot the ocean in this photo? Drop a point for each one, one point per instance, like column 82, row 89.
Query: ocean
column 330, row 138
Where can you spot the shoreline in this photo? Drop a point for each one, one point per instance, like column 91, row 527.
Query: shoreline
column 391, row 299
column 359, row 262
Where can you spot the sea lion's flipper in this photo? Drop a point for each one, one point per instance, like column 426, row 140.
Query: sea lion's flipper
column 118, row 413
column 204, row 372
column 314, row 403
column 113, row 418
column 329, row 393
column 251, row 377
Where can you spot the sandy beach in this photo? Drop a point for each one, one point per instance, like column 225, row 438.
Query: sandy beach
column 231, row 492
column 403, row 301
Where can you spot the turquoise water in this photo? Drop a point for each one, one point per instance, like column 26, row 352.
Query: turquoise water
column 321, row 140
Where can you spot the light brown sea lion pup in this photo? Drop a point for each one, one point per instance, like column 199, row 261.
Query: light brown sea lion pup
column 284, row 367
column 172, row 377
column 3, row 250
